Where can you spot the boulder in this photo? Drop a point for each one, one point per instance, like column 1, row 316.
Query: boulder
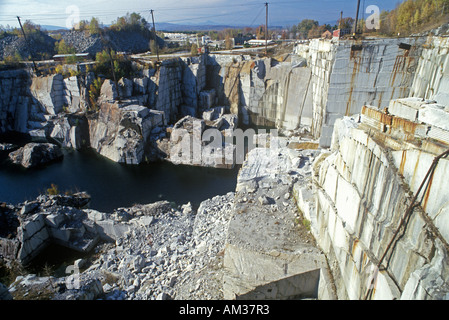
column 108, row 91
column 121, row 133
column 35, row 154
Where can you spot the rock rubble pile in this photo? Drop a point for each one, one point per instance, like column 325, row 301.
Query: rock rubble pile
column 155, row 251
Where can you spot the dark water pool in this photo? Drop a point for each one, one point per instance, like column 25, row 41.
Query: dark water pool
column 113, row 185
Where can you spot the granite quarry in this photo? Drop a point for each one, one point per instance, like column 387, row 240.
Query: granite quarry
column 345, row 202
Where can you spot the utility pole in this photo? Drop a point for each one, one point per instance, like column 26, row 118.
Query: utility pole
column 107, row 44
column 266, row 29
column 356, row 17
column 155, row 38
column 341, row 20
column 28, row 45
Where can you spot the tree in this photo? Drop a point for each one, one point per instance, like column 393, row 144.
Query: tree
column 404, row 16
column 228, row 42
column 316, row 31
column 131, row 22
column 62, row 48
column 94, row 93
column 194, row 50
column 305, row 26
column 248, row 30
column 346, row 23
column 94, row 26
column 82, row 25
column 122, row 66
column 284, row 35
column 30, row 27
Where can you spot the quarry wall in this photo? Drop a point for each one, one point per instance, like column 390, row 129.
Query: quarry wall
column 377, row 199
column 380, row 106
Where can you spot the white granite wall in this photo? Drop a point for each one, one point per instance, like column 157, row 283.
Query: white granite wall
column 348, row 74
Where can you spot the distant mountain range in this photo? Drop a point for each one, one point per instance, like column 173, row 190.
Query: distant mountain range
column 164, row 26
column 209, row 25
column 51, row 28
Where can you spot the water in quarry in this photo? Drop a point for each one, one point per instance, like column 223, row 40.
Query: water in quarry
column 113, row 185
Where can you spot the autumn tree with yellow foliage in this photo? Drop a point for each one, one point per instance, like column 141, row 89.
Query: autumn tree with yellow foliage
column 412, row 16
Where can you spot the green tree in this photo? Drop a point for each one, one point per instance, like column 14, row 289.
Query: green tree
column 122, row 66
column 83, row 25
column 94, row 93
column 346, row 23
column 131, row 22
column 62, row 48
column 305, row 26
column 94, row 26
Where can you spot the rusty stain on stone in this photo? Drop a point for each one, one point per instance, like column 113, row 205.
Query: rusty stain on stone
column 406, row 125
column 354, row 246
column 303, row 145
column 403, row 160
column 356, row 66
column 377, row 115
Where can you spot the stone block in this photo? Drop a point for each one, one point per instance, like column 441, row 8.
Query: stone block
column 32, row 246
column 405, row 108
column 90, row 226
column 32, row 226
column 54, row 220
column 95, row 215
column 109, row 229
column 435, row 115
column 326, row 136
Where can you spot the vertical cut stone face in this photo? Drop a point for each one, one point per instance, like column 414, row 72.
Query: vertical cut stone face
column 15, row 102
column 432, row 74
column 347, row 75
column 49, row 91
column 267, row 255
column 361, row 192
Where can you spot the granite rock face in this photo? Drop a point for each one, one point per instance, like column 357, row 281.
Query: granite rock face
column 15, row 102
column 269, row 252
column 121, row 133
column 36, row 154
column 55, row 218
column 199, row 142
column 431, row 79
column 49, row 92
column 30, row 104
column 362, row 190
column 345, row 75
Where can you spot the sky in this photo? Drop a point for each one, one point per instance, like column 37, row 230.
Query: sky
column 229, row 12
